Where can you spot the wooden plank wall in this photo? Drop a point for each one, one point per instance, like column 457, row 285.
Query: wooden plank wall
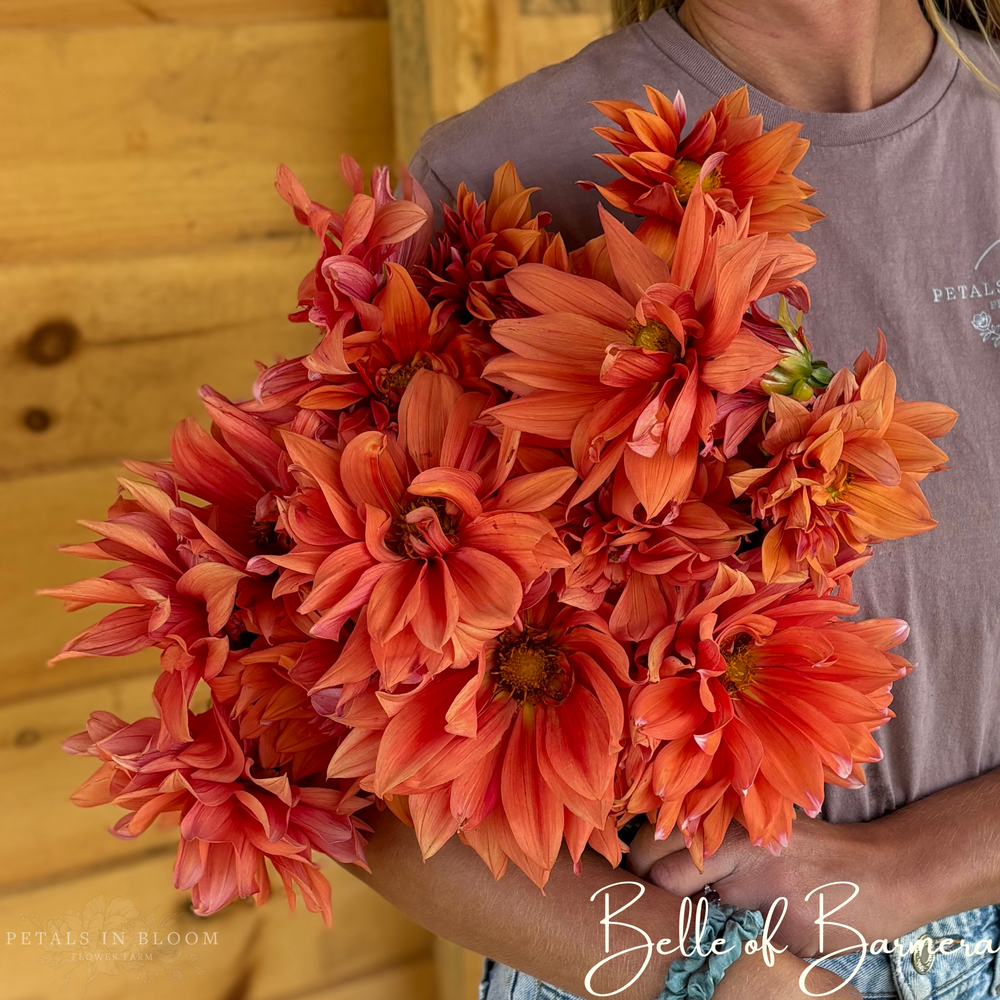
column 143, row 252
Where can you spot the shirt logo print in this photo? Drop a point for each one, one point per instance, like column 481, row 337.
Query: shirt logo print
column 983, row 324
column 977, row 286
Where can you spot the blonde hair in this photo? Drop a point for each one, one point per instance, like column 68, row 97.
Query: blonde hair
column 978, row 15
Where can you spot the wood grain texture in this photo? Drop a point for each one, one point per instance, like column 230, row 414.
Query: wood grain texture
column 113, row 13
column 45, row 508
column 131, row 377
column 158, row 139
column 450, row 54
column 458, row 971
column 259, row 953
column 60, row 838
column 412, row 981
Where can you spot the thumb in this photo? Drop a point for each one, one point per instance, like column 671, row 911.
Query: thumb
column 645, row 850
column 677, row 872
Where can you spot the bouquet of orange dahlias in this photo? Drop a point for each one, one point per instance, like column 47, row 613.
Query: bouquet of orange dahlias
column 533, row 543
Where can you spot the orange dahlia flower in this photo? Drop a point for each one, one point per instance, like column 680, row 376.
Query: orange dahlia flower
column 376, row 363
column 376, row 229
column 234, row 816
column 482, row 241
column 630, row 378
column 659, row 169
column 754, row 699
column 637, row 566
column 517, row 754
column 844, row 473
column 424, row 532
column 264, row 690
column 187, row 585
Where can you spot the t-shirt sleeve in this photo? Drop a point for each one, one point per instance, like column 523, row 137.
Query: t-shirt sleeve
column 423, row 173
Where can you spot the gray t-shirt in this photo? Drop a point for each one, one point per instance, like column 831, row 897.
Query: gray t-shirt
column 912, row 244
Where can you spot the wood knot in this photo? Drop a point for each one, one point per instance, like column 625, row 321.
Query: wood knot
column 52, row 342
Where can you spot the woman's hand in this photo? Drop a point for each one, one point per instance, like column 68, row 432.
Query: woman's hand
column 845, row 858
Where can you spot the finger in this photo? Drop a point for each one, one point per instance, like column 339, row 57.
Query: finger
column 677, row 872
column 645, row 849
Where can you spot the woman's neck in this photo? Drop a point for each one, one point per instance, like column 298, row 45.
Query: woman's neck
column 816, row 55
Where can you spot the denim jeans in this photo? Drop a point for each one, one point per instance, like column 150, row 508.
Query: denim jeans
column 915, row 970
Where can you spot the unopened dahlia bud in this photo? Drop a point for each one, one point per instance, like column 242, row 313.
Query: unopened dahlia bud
column 778, row 383
column 802, row 391
column 797, row 363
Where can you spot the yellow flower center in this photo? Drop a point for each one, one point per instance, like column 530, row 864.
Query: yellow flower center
column 685, row 172
column 653, row 336
column 840, row 488
column 530, row 670
column 740, row 665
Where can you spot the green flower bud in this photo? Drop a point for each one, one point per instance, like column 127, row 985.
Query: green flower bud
column 802, row 391
column 798, row 364
column 778, row 383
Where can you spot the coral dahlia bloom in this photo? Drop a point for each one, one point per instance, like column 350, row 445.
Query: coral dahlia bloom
column 630, row 377
column 399, row 340
column 659, row 169
column 234, row 816
column 517, row 754
column 376, row 229
column 843, row 473
column 425, row 533
column 755, row 698
column 187, row 586
column 482, row 241
column 637, row 566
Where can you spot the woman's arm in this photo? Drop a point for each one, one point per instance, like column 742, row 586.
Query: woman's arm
column 556, row 937
column 925, row 861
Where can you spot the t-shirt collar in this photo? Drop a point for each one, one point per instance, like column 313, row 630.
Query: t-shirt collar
column 820, row 127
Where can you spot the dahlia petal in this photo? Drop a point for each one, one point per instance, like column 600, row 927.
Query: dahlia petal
column 439, row 608
column 396, row 222
column 489, row 590
column 747, row 357
column 548, row 291
column 888, row 511
column 670, row 709
column 414, row 736
column 457, row 485
column 215, row 585
column 323, row 464
column 537, row 490
column 565, row 338
column 636, row 267
column 569, row 741
column 875, row 458
column 425, row 410
column 97, row 590
column 932, row 419
column 395, row 599
column 640, row 611
column 745, row 752
column 663, row 478
column 532, row 810
column 211, row 471
column 337, row 576
column 433, row 821
column 547, row 413
column 119, row 634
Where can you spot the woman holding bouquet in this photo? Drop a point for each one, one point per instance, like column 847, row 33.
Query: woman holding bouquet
column 902, row 124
